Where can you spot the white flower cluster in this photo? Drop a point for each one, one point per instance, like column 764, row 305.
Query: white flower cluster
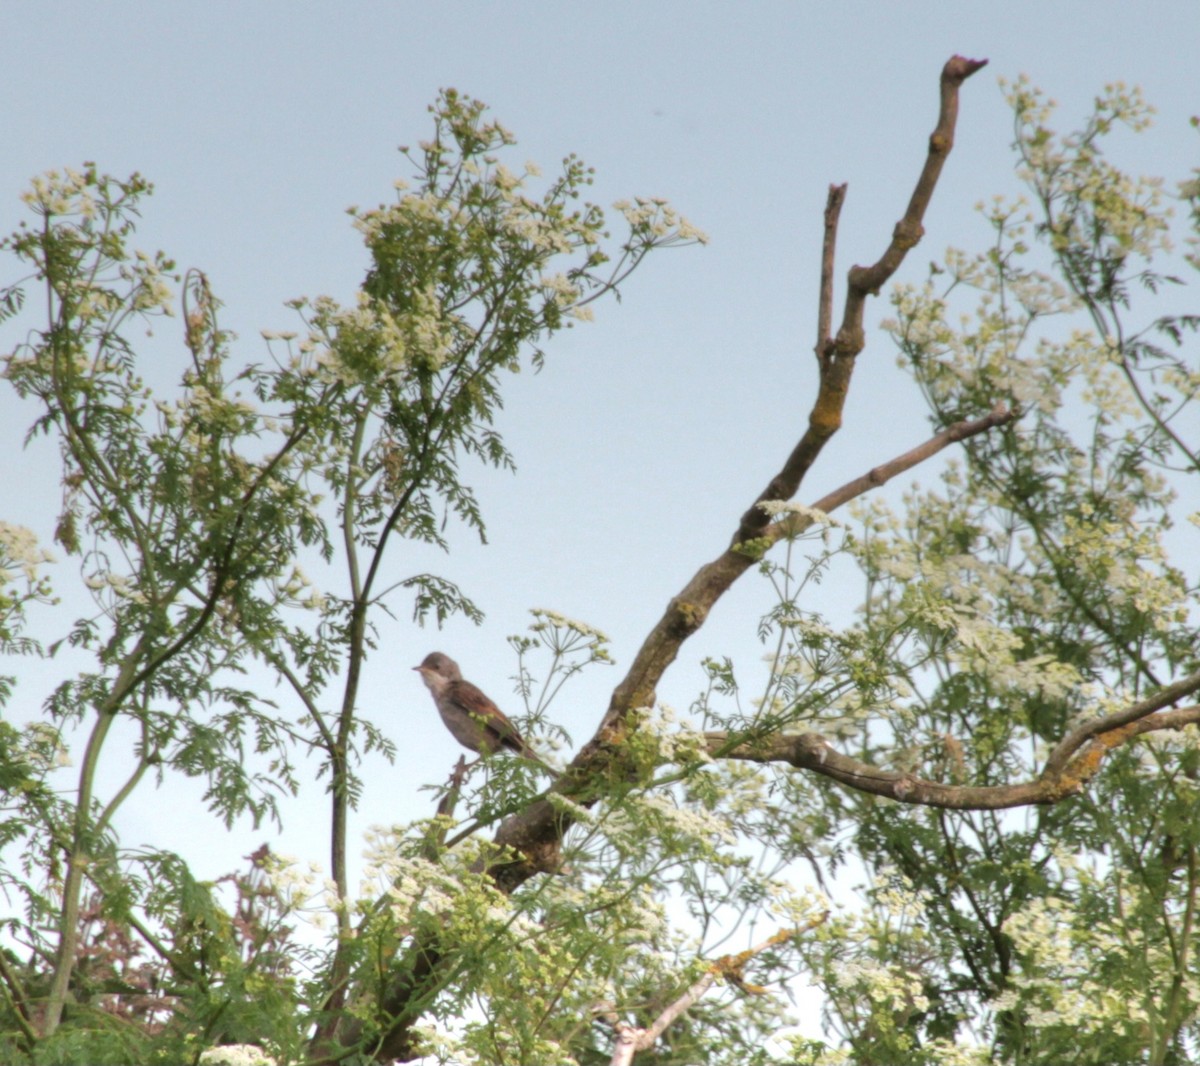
column 564, row 292
column 421, row 886
column 19, row 550
column 415, row 885
column 94, row 302
column 70, row 199
column 65, row 194
column 796, row 906
column 775, row 508
column 295, row 884
column 654, row 217
column 1133, row 560
column 576, row 812
column 677, row 740
column 895, row 893
column 43, row 746
column 891, row 987
column 151, row 290
column 236, row 1055
column 299, row 591
column 547, row 618
column 703, row 830
column 989, row 649
column 1062, row 954
column 121, row 586
column 545, row 236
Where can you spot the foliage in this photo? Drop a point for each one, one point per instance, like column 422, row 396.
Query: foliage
column 1028, row 590
column 1023, row 593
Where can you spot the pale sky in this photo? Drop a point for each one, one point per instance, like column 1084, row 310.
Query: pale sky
column 650, row 430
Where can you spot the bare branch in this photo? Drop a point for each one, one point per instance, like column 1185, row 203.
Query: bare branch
column 631, row 1039
column 833, row 209
column 792, row 525
column 536, row 832
column 1173, row 719
column 689, row 609
column 811, row 751
column 867, row 281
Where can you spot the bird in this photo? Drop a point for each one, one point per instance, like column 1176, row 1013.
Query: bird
column 473, row 719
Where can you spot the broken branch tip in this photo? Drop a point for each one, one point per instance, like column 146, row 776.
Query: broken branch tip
column 959, row 68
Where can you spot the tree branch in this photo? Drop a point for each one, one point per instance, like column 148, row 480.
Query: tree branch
column 811, row 751
column 687, row 612
column 795, row 524
column 631, row 1039
column 537, row 831
column 867, row 281
column 1075, row 739
column 833, row 209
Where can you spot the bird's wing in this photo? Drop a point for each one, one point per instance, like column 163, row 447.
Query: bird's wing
column 493, row 720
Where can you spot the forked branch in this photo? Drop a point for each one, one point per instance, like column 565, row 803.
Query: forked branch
column 536, row 832
column 688, row 610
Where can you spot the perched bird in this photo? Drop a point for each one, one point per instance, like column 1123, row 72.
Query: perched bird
column 473, row 719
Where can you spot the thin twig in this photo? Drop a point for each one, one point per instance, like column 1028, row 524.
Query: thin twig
column 795, row 524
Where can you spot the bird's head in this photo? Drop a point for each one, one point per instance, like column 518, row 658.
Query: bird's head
column 439, row 668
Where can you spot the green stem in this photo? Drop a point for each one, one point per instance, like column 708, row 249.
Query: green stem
column 77, row 862
column 19, row 1000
